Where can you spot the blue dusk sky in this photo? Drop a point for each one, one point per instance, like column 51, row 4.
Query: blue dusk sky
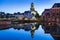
column 12, row 6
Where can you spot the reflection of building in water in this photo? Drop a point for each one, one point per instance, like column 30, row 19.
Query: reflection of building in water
column 27, row 27
column 4, row 26
column 35, row 27
column 53, row 30
column 32, row 33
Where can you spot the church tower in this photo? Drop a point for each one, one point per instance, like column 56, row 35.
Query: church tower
column 33, row 11
column 32, row 7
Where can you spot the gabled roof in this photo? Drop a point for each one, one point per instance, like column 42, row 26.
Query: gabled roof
column 56, row 5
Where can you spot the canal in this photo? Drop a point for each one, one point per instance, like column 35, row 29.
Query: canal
column 28, row 31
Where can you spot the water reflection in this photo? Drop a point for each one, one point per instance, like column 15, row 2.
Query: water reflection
column 27, row 27
column 54, row 30
column 23, row 32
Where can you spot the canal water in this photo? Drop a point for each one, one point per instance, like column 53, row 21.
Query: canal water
column 24, row 32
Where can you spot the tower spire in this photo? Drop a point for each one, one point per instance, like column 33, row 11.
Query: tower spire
column 32, row 7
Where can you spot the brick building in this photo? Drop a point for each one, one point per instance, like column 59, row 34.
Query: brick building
column 52, row 15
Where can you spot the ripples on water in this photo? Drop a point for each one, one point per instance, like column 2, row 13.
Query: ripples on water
column 25, row 32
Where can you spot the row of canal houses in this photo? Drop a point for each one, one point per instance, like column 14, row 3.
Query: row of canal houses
column 52, row 15
column 27, row 15
column 18, row 15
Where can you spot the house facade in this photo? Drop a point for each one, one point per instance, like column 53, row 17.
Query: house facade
column 52, row 15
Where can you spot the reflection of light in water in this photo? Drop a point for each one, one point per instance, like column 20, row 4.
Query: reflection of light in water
column 49, row 23
column 26, row 23
column 34, row 28
column 20, row 24
column 35, row 23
